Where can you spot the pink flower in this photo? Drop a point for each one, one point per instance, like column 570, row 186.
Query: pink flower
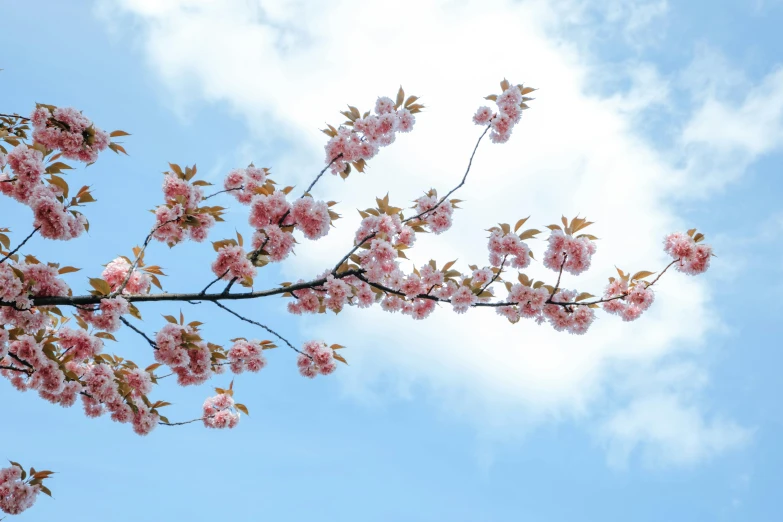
column 109, row 317
column 79, row 343
column 316, row 358
column 462, row 299
column 16, row 496
column 311, row 217
column 483, row 116
column 116, row 272
column 219, row 413
column 232, row 263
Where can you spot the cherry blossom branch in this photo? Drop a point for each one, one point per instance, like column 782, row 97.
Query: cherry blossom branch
column 179, row 423
column 258, row 324
column 15, row 250
column 129, row 325
column 241, row 187
column 15, row 116
column 215, row 281
column 494, row 278
column 15, row 369
column 559, row 275
column 452, row 191
column 461, row 183
column 607, row 299
column 119, row 290
column 321, row 174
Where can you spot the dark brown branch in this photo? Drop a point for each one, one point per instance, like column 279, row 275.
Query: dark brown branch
column 559, row 275
column 146, row 298
column 15, row 369
column 15, row 116
column 129, row 325
column 139, row 256
column 179, row 423
column 464, row 178
column 15, row 250
column 214, row 281
column 452, row 191
column 494, row 278
column 321, row 174
column 260, row 325
column 222, row 192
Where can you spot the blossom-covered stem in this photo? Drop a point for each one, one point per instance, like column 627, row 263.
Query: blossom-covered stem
column 14, row 116
column 663, row 271
column 15, row 250
column 14, row 369
column 20, row 361
column 321, row 174
column 229, row 285
column 495, row 277
column 241, row 187
column 464, row 178
column 129, row 325
column 607, row 299
column 215, row 281
column 119, row 289
column 350, row 253
column 559, row 275
column 258, row 324
column 179, row 423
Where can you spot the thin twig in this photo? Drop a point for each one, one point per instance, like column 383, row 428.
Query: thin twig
column 215, row 281
column 129, row 325
column 222, row 192
column 260, row 325
column 15, row 250
column 25, row 118
column 179, row 423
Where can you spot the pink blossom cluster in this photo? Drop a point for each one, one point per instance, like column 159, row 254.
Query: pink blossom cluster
column 463, row 298
column 189, row 359
column 40, row 280
column 219, row 412
column 333, row 295
column 693, row 258
column 575, row 319
column 79, row 344
column 52, row 216
column 67, row 130
column 16, row 496
column 389, row 226
column 116, row 272
column 530, row 302
column 502, row 245
column 439, row 219
column 102, row 389
column 246, row 355
column 573, row 254
column 245, row 183
column 232, row 263
column 509, row 113
column 46, row 375
column 28, row 168
column 368, row 135
column 268, row 213
column 107, row 315
column 628, row 303
column 311, row 217
column 181, row 215
column 316, row 358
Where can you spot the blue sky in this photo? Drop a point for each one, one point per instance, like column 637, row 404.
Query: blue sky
column 651, row 116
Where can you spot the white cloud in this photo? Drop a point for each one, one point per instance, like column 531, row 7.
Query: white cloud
column 286, row 67
column 666, row 431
